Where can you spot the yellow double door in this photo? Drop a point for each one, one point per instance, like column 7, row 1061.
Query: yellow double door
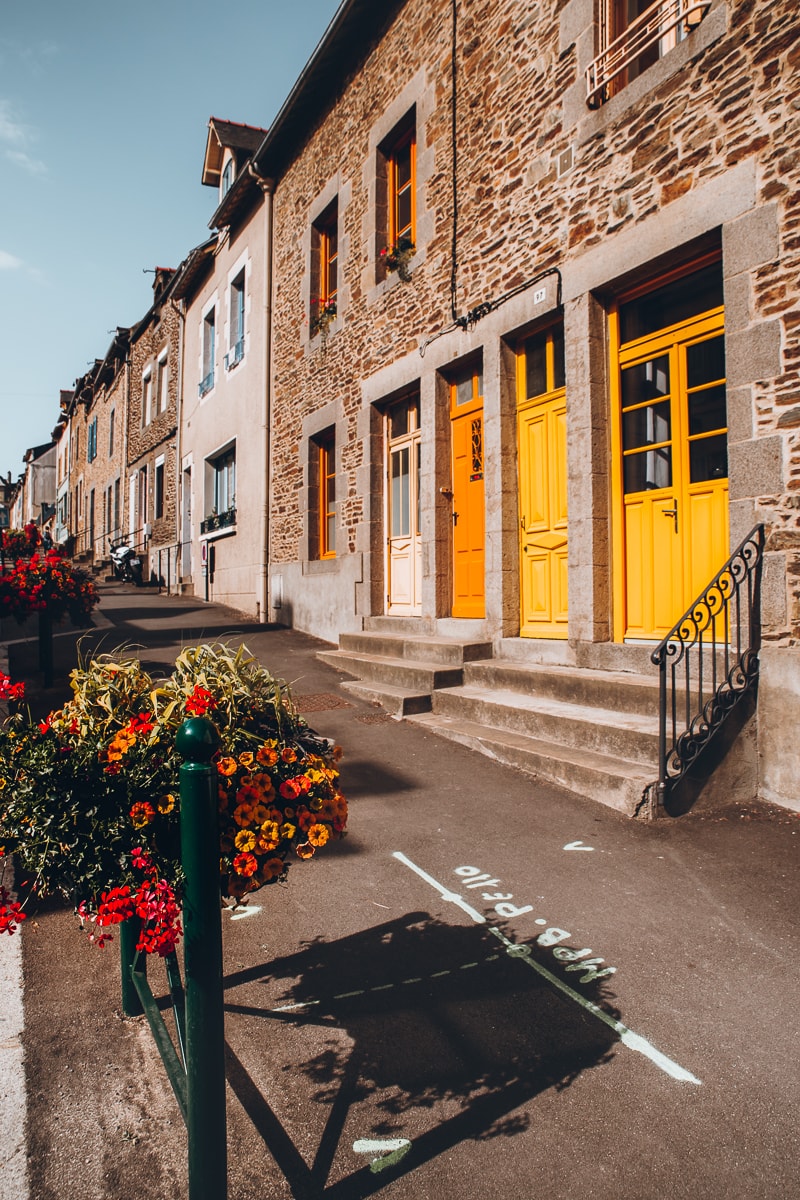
column 670, row 473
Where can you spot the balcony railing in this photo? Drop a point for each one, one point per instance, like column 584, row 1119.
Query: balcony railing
column 234, row 355
column 708, row 662
column 215, row 521
column 206, row 384
column 666, row 19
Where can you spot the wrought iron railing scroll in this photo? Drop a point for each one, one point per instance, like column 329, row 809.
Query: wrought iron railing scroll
column 708, row 662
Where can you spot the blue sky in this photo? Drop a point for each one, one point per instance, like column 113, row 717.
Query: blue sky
column 103, row 119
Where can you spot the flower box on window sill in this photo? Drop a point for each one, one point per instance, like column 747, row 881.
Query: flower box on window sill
column 398, row 258
column 322, row 320
column 218, row 523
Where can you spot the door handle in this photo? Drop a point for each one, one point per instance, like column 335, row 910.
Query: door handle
column 455, row 518
column 672, row 512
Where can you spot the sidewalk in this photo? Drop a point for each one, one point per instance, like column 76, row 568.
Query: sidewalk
column 101, row 1120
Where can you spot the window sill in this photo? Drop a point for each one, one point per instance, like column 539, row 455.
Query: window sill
column 214, row 534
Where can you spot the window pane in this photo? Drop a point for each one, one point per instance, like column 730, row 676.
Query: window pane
column 708, row 459
column 536, row 366
column 464, row 392
column 401, row 517
column 707, row 410
column 558, row 356
column 648, row 469
column 330, row 533
column 646, row 426
column 705, row 362
column 645, row 381
column 404, row 212
column 402, row 161
column 678, row 301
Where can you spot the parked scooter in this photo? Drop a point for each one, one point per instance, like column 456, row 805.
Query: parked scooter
column 125, row 562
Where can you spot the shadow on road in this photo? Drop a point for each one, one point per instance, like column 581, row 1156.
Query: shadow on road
column 443, row 1032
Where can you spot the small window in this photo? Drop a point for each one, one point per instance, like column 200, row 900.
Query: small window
column 325, row 268
column 227, row 178
column 162, row 382
column 236, row 352
column 397, row 170
column 158, row 490
column 220, row 487
column 634, row 34
column 209, row 352
column 91, row 444
column 111, row 416
column 324, row 494
column 147, row 396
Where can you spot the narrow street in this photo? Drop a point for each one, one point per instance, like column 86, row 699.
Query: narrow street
column 490, row 988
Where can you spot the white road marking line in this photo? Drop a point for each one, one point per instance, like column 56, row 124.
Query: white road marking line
column 633, row 1041
column 445, row 893
column 577, row 846
column 397, row 1148
column 249, row 911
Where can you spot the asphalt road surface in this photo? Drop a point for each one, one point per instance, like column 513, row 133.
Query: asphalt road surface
column 491, row 988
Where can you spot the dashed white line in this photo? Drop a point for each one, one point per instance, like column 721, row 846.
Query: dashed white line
column 633, row 1041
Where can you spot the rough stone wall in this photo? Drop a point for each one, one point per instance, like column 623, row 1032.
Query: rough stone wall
column 147, row 441
column 543, row 181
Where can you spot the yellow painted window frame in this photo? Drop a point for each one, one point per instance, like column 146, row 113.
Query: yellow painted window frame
column 328, row 258
column 395, row 233
column 327, row 496
column 551, row 392
column 666, row 340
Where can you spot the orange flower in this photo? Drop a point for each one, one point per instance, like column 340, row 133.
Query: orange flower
column 246, row 758
column 260, row 814
column 288, row 754
column 304, row 850
column 166, row 803
column 227, row 766
column 142, row 814
column 318, row 834
column 245, row 864
column 267, row 755
column 243, row 814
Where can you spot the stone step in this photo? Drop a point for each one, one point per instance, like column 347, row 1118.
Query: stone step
column 411, row 625
column 410, row 674
column 419, row 647
column 616, row 690
column 397, row 701
column 628, row 735
column 615, row 782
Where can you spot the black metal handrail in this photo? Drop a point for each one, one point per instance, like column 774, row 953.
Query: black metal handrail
column 709, row 661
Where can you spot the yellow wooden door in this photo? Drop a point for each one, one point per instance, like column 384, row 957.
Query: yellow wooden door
column 466, row 424
column 542, row 461
column 670, row 477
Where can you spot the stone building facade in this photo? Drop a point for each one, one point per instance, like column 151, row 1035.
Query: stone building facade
column 151, row 465
column 559, row 379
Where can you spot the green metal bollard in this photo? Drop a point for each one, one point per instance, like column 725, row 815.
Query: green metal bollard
column 197, row 741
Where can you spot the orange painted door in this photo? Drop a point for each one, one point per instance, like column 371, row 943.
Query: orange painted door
column 466, row 422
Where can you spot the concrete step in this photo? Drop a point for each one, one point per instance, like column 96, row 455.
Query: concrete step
column 397, row 701
column 615, row 782
column 410, row 674
column 411, row 625
column 628, row 735
column 615, row 690
column 419, row 647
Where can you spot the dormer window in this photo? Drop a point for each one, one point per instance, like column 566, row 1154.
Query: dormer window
column 228, row 174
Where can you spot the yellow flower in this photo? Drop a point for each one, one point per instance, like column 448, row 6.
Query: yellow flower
column 245, row 839
column 246, row 758
column 288, row 830
column 270, row 831
column 166, row 803
column 318, row 834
